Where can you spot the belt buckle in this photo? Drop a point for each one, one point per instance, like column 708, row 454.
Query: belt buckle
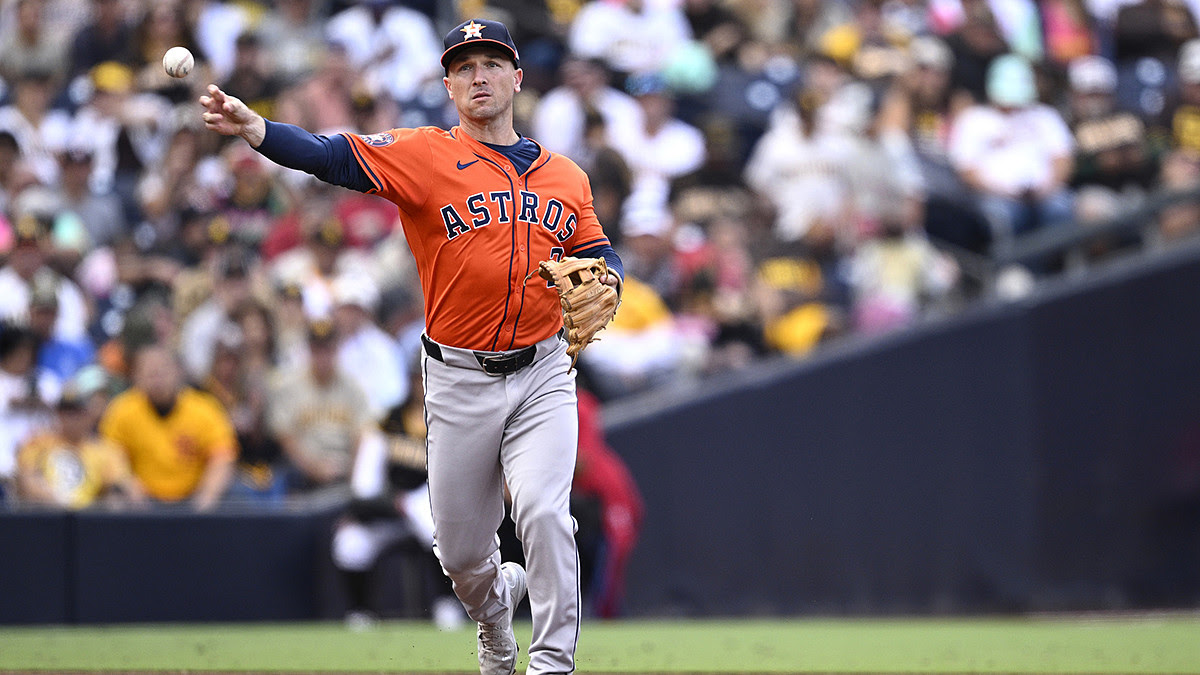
column 497, row 365
column 507, row 363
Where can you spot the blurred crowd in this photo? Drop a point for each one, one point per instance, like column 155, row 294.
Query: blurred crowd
column 774, row 173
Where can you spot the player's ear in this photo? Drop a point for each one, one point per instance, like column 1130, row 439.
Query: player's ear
column 446, row 81
column 520, row 75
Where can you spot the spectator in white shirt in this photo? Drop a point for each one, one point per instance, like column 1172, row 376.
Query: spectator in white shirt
column 1016, row 153
column 40, row 131
column 631, row 36
column 559, row 121
column 204, row 325
column 26, row 263
column 368, row 355
column 396, row 46
column 660, row 148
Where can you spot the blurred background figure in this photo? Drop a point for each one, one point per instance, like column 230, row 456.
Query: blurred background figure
column 32, row 44
column 319, row 414
column 179, row 441
column 394, row 47
column 23, row 412
column 70, row 466
column 632, row 37
column 389, row 514
column 366, row 352
column 243, row 362
column 1016, row 153
column 201, row 328
column 605, row 489
column 560, row 118
column 659, row 148
column 39, row 129
column 27, row 265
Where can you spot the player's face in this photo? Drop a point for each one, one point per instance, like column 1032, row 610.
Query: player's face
column 482, row 82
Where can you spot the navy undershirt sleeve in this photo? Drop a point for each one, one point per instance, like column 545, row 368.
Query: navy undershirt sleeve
column 329, row 159
column 610, row 257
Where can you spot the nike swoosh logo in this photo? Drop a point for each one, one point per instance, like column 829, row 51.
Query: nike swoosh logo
column 462, row 166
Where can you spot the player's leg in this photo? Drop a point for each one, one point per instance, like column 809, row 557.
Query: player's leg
column 539, row 463
column 465, row 412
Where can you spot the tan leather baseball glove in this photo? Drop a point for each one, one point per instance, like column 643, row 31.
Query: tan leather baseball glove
column 588, row 304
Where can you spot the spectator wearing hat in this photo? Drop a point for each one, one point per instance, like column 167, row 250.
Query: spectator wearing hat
column 70, row 466
column 252, row 76
column 58, row 360
column 647, row 244
column 239, row 380
column 255, row 200
column 200, row 330
column 1112, row 147
column 179, row 441
column 368, row 354
column 39, row 130
column 817, row 166
column 660, row 147
column 27, row 262
column 123, row 127
column 100, row 212
column 314, row 266
column 107, row 36
column 319, row 413
column 289, row 326
column 559, row 121
column 1016, row 153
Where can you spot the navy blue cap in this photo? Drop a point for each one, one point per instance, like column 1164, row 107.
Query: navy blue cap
column 478, row 31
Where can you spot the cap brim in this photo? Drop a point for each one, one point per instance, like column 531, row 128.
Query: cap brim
column 449, row 53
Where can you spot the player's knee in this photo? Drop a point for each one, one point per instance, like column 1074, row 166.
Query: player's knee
column 541, row 521
column 461, row 562
column 353, row 548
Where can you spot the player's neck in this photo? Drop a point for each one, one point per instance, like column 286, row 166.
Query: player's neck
column 496, row 133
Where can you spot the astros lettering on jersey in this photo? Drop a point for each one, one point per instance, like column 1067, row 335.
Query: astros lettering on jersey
column 481, row 247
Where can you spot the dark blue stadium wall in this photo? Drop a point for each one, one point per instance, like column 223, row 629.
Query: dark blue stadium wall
column 1037, row 455
column 1018, row 457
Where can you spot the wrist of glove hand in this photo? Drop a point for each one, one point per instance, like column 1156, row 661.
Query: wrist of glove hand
column 588, row 294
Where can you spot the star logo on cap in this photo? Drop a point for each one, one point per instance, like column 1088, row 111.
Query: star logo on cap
column 472, row 30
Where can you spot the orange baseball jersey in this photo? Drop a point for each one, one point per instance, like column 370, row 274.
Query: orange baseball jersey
column 478, row 230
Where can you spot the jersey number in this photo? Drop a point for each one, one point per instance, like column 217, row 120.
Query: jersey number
column 556, row 254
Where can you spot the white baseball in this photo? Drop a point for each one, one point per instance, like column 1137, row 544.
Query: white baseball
column 178, row 62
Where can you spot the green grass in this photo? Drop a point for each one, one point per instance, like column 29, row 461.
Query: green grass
column 1154, row 644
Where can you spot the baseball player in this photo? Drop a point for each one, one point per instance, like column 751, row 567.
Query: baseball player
column 480, row 207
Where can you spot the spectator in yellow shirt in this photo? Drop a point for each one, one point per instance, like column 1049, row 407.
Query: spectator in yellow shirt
column 69, row 466
column 180, row 442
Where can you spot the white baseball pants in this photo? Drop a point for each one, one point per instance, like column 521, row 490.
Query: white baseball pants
column 519, row 429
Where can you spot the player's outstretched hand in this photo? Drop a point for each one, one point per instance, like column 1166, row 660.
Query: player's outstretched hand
column 227, row 115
